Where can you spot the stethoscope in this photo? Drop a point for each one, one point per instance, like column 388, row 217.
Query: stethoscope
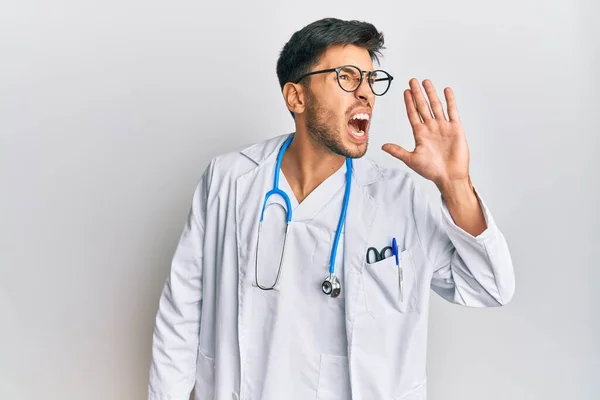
column 331, row 285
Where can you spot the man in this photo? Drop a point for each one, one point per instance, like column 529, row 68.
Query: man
column 334, row 303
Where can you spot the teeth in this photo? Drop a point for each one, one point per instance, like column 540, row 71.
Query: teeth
column 361, row 116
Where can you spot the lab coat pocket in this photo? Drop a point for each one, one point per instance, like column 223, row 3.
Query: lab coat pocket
column 334, row 378
column 381, row 281
column 205, row 377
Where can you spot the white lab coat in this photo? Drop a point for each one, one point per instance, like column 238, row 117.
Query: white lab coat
column 208, row 332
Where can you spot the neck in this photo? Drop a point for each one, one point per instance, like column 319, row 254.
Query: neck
column 307, row 164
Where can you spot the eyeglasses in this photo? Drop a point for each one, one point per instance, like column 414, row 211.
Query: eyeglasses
column 350, row 77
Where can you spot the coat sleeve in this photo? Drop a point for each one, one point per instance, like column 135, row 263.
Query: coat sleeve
column 177, row 324
column 474, row 271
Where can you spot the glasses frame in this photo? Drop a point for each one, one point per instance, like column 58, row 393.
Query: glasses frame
column 362, row 74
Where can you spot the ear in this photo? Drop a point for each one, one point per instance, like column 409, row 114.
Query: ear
column 293, row 94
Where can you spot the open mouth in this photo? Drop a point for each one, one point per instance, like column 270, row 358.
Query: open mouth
column 358, row 124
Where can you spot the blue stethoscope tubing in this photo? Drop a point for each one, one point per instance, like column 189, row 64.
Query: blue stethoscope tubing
column 277, row 191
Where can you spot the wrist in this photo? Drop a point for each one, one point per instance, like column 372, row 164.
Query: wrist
column 457, row 190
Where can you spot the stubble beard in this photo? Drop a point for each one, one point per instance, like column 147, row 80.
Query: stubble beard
column 323, row 133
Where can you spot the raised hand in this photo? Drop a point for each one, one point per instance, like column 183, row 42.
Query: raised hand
column 441, row 153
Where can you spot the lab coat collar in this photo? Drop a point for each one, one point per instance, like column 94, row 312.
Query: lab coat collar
column 365, row 171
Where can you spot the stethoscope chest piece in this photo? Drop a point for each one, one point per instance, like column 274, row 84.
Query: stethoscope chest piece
column 331, row 286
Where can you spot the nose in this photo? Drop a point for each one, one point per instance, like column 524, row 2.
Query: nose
column 364, row 92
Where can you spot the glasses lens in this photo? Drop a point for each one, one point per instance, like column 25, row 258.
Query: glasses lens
column 380, row 82
column 349, row 78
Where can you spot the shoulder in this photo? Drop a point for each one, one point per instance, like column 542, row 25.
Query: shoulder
column 390, row 187
column 378, row 179
column 225, row 168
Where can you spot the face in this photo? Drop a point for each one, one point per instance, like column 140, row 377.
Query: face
column 335, row 119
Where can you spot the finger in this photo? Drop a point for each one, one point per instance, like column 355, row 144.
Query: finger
column 411, row 110
column 451, row 101
column 436, row 104
column 422, row 105
column 397, row 151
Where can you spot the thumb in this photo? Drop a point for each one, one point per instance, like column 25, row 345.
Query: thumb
column 397, row 151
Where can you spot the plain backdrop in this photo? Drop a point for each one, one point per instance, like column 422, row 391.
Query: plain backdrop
column 110, row 111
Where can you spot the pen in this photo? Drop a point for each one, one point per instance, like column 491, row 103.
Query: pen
column 399, row 265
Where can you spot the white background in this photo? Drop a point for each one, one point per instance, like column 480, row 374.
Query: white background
column 110, row 111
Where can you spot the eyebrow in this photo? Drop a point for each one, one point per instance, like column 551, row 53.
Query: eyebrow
column 363, row 70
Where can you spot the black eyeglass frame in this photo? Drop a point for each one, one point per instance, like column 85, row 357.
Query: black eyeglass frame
column 362, row 74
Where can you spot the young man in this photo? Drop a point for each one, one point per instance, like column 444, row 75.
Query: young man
column 304, row 269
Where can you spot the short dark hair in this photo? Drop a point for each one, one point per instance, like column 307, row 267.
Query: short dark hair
column 305, row 47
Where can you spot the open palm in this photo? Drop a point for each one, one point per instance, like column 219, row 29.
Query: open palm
column 441, row 153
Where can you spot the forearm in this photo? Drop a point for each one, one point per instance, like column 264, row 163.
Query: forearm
column 464, row 206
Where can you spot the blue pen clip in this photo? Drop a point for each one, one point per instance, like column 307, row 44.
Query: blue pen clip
column 395, row 249
column 399, row 265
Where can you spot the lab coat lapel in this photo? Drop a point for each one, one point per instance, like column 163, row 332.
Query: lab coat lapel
column 362, row 209
column 250, row 191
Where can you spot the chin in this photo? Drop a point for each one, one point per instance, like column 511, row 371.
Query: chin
column 359, row 153
column 354, row 150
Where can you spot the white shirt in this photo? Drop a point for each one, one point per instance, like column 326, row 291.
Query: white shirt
column 232, row 340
